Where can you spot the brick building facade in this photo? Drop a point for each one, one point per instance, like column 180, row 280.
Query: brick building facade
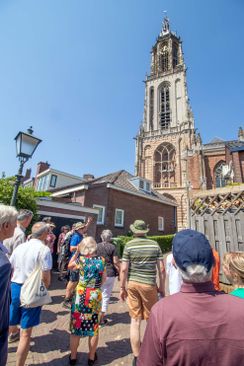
column 120, row 199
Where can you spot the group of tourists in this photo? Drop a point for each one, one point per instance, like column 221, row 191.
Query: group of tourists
column 195, row 325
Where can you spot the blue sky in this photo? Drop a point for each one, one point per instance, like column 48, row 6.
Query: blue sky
column 74, row 70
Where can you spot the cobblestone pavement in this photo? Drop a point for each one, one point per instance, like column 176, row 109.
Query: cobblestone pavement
column 50, row 341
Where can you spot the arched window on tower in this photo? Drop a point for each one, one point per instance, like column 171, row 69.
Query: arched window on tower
column 151, row 107
column 164, row 58
column 218, row 174
column 175, row 55
column 164, row 166
column 164, row 106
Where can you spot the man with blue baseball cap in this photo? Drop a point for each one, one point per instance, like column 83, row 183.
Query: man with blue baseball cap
column 198, row 325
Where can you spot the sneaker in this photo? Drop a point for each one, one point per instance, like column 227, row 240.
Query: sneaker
column 134, row 361
column 14, row 337
column 67, row 304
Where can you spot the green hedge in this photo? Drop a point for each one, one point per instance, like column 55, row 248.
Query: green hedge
column 164, row 241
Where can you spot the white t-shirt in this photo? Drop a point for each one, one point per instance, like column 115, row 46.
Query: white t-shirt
column 26, row 257
column 175, row 279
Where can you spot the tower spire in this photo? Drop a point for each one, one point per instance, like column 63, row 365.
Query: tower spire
column 165, row 24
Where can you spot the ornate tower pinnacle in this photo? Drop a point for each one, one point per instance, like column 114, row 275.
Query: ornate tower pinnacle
column 165, row 26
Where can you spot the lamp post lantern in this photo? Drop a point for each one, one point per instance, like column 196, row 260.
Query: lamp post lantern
column 26, row 145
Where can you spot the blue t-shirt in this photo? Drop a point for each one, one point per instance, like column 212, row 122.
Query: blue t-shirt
column 75, row 240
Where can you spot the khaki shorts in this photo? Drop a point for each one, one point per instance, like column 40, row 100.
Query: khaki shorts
column 141, row 298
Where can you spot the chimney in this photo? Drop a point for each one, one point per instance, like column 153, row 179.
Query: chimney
column 27, row 174
column 240, row 134
column 88, row 177
column 41, row 167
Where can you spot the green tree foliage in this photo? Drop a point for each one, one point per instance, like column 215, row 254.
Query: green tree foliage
column 26, row 196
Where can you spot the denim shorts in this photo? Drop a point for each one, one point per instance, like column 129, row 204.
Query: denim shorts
column 26, row 317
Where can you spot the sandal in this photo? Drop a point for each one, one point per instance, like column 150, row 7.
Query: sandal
column 92, row 362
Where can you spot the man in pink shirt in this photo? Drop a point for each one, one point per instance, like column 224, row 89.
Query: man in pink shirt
column 198, row 326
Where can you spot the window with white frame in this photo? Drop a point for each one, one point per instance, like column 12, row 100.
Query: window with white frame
column 53, row 180
column 119, row 217
column 39, row 184
column 42, row 183
column 101, row 214
column 160, row 223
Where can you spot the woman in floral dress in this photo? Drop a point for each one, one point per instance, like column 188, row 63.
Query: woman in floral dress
column 86, row 303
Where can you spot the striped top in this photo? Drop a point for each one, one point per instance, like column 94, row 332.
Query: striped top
column 142, row 255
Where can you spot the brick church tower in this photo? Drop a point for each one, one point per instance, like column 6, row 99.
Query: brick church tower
column 167, row 140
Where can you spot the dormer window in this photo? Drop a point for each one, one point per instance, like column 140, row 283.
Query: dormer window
column 53, row 180
column 141, row 184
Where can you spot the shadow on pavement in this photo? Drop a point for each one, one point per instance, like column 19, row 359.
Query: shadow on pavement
column 113, row 300
column 55, row 340
column 58, row 299
column 48, row 316
column 12, row 348
column 118, row 318
column 113, row 351
column 58, row 362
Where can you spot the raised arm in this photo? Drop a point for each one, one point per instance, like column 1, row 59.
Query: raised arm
column 88, row 223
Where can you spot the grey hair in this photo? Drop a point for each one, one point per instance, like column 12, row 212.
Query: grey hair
column 88, row 246
column 196, row 273
column 106, row 235
column 8, row 214
column 24, row 214
column 38, row 229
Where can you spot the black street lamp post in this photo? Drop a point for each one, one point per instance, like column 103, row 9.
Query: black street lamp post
column 26, row 145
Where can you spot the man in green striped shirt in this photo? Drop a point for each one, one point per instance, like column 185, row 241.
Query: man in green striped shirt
column 141, row 259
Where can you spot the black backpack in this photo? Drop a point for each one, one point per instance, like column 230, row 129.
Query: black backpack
column 66, row 247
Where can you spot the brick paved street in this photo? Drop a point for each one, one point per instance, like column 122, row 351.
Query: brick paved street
column 50, row 343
